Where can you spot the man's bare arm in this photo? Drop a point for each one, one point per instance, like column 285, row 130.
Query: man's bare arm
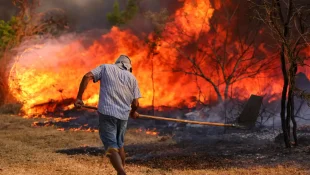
column 83, row 85
column 134, row 107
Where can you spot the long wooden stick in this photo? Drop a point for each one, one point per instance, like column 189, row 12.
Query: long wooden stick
column 176, row 120
column 185, row 121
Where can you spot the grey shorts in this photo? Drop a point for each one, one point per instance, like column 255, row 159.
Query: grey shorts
column 112, row 132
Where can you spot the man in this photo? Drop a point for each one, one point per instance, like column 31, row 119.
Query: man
column 118, row 91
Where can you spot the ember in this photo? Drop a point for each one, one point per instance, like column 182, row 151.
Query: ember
column 64, row 124
column 152, row 132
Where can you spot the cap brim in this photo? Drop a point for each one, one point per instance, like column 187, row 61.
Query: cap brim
column 126, row 66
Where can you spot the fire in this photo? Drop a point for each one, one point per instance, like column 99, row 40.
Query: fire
column 50, row 121
column 45, row 77
column 152, row 132
column 49, row 73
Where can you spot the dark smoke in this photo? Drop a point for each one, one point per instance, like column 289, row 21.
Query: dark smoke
column 7, row 9
column 84, row 15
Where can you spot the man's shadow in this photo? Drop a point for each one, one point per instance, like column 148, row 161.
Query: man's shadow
column 87, row 150
column 155, row 156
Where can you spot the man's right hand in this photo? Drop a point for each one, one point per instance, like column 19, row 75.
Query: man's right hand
column 134, row 115
column 78, row 103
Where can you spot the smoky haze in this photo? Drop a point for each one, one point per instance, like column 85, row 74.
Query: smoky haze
column 81, row 14
column 89, row 14
column 6, row 9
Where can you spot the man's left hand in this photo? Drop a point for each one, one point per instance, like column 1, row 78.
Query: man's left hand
column 79, row 103
column 134, row 115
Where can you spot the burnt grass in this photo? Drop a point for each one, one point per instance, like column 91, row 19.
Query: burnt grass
column 219, row 155
column 218, row 151
column 180, row 146
column 229, row 150
column 178, row 149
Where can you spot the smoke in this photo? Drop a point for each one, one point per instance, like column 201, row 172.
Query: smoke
column 269, row 115
column 7, row 9
column 91, row 14
column 82, row 15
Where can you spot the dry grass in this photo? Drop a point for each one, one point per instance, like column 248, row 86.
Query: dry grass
column 28, row 150
column 12, row 108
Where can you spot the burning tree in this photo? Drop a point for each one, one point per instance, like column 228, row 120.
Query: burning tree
column 26, row 24
column 153, row 41
column 200, row 32
column 288, row 23
column 216, row 49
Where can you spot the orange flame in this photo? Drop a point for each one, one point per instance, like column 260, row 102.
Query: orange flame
column 148, row 131
column 51, row 72
column 52, row 123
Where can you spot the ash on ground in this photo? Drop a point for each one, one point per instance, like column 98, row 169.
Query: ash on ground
column 184, row 145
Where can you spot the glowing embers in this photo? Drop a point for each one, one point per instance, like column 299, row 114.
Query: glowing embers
column 64, row 124
column 152, row 132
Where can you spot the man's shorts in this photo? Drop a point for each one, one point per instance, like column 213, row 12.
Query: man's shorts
column 112, row 132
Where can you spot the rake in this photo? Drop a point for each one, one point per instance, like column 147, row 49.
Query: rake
column 246, row 120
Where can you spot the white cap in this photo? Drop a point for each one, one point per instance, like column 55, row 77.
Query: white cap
column 123, row 62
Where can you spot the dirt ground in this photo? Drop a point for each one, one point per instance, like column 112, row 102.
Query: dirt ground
column 45, row 150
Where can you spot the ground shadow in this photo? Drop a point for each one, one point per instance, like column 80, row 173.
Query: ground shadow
column 94, row 151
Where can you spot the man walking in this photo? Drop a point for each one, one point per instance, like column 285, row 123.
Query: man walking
column 118, row 99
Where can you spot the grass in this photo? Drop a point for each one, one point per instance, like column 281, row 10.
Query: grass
column 28, row 150
column 12, row 108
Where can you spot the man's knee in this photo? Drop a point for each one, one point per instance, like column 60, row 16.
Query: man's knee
column 121, row 149
column 111, row 151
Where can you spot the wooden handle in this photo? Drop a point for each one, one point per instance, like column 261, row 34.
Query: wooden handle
column 176, row 120
column 185, row 121
column 90, row 107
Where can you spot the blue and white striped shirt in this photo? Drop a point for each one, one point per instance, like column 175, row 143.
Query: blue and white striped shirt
column 118, row 88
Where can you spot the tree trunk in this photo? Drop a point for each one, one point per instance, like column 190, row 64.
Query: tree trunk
column 293, row 104
column 1, row 95
column 4, row 89
column 288, row 114
column 226, row 90
column 216, row 89
column 283, row 98
column 294, row 121
column 153, row 86
column 219, row 96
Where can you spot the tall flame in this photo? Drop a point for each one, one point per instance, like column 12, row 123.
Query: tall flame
column 51, row 72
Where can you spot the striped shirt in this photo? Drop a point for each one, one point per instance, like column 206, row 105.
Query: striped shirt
column 118, row 88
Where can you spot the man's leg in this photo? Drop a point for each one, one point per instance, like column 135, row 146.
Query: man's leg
column 121, row 129
column 108, row 132
column 123, row 155
column 116, row 161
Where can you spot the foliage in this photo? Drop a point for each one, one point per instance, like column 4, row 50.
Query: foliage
column 28, row 23
column 159, row 20
column 118, row 17
column 7, row 33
